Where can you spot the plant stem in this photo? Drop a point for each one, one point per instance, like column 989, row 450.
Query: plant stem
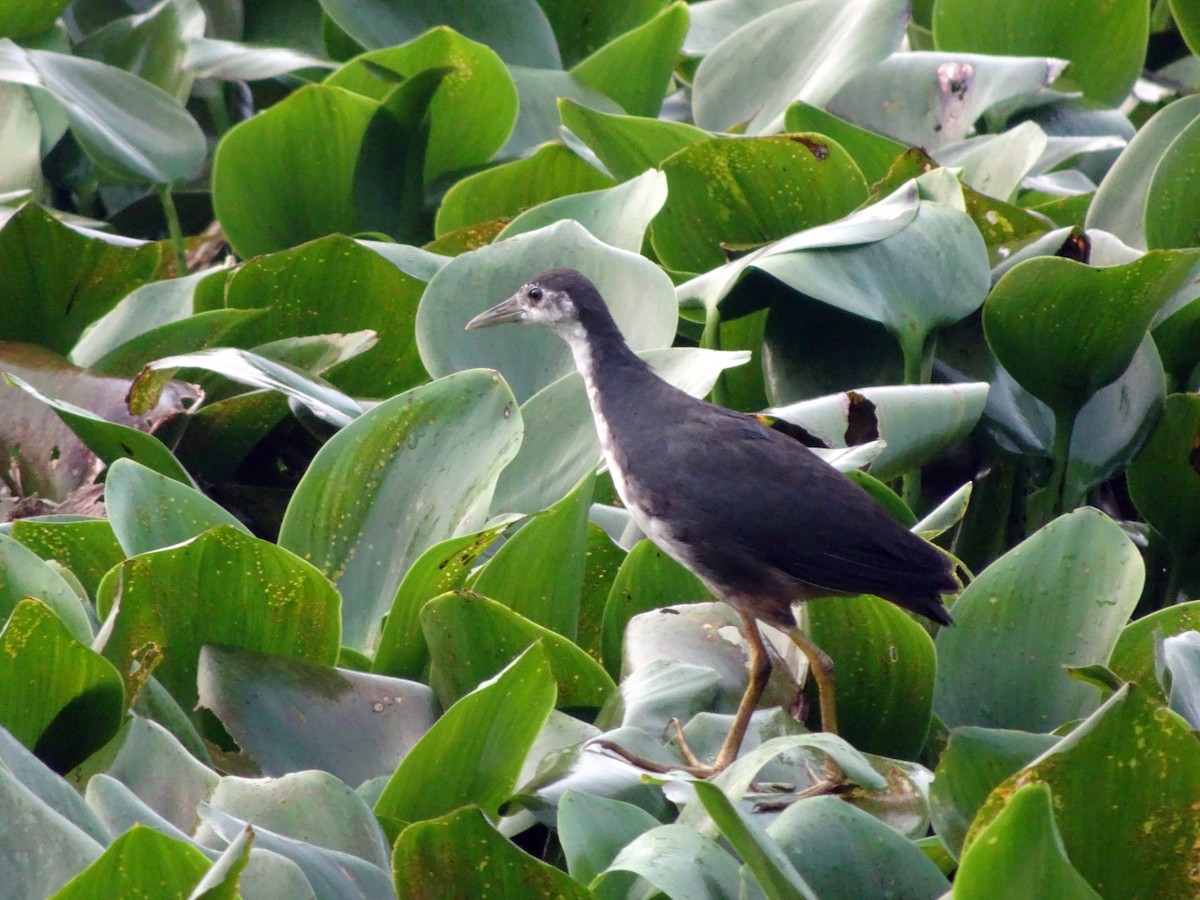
column 1064, row 424
column 918, row 368
column 168, row 202
column 216, row 109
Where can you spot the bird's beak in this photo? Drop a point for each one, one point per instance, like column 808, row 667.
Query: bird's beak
column 508, row 311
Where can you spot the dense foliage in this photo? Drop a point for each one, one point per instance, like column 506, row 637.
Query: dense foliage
column 307, row 591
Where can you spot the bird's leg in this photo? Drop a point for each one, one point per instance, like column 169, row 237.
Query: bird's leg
column 760, row 674
column 821, row 667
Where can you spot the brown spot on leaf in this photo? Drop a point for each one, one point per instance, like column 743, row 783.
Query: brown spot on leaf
column 862, row 425
column 816, row 148
column 1077, row 246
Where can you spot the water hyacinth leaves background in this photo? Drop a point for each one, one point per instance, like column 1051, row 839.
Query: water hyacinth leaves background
column 307, row 591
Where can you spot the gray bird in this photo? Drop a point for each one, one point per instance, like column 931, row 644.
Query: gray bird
column 763, row 521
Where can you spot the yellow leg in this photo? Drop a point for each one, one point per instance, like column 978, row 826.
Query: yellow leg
column 760, row 673
column 821, row 667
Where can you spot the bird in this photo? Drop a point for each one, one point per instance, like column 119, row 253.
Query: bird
column 758, row 517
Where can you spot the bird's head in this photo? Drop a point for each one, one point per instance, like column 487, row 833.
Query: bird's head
column 560, row 299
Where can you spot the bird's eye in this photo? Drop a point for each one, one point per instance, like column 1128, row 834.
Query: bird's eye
column 535, row 294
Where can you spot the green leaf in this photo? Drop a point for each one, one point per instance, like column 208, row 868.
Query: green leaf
column 1181, row 659
column 677, row 861
column 150, row 45
column 437, row 448
column 933, row 99
column 973, row 763
column 1105, row 42
column 619, row 216
column 540, row 92
column 40, row 849
column 58, row 281
column 1134, row 655
column 25, row 20
column 1029, row 614
column 51, row 792
column 1021, row 852
column 23, row 575
column 1171, row 198
column 773, row 871
column 885, row 672
column 330, row 873
column 57, row 696
column 1064, row 330
column 473, row 753
column 143, row 310
column 1108, row 842
column 797, row 52
column 538, row 572
column 471, row 638
column 508, row 189
column 472, row 112
column 194, row 334
column 274, row 188
column 518, row 31
column 157, row 767
column 109, row 440
column 312, row 393
column 918, row 422
column 727, row 192
column 86, row 547
column 127, row 125
column 149, row 511
column 303, row 291
column 313, row 806
column 842, row 851
column 639, row 295
column 929, row 273
column 648, row 579
column 444, row 567
column 604, row 558
column 581, row 28
column 628, row 145
column 594, row 829
column 235, row 61
column 873, row 152
column 1187, row 20
column 1116, row 422
column 1164, row 482
column 355, row 725
column 483, row 861
column 635, row 68
column 223, row 587
column 1120, row 204
column 141, row 861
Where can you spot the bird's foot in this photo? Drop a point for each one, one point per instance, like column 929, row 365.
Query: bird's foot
column 651, row 765
column 832, row 782
column 692, row 763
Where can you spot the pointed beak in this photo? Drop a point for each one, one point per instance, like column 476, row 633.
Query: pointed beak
column 508, row 311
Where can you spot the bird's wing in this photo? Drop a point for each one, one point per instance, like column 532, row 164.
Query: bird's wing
column 748, row 486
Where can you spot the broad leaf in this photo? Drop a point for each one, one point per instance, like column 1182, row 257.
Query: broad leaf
column 473, row 753
column 223, row 587
column 1050, row 615
column 436, row 449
